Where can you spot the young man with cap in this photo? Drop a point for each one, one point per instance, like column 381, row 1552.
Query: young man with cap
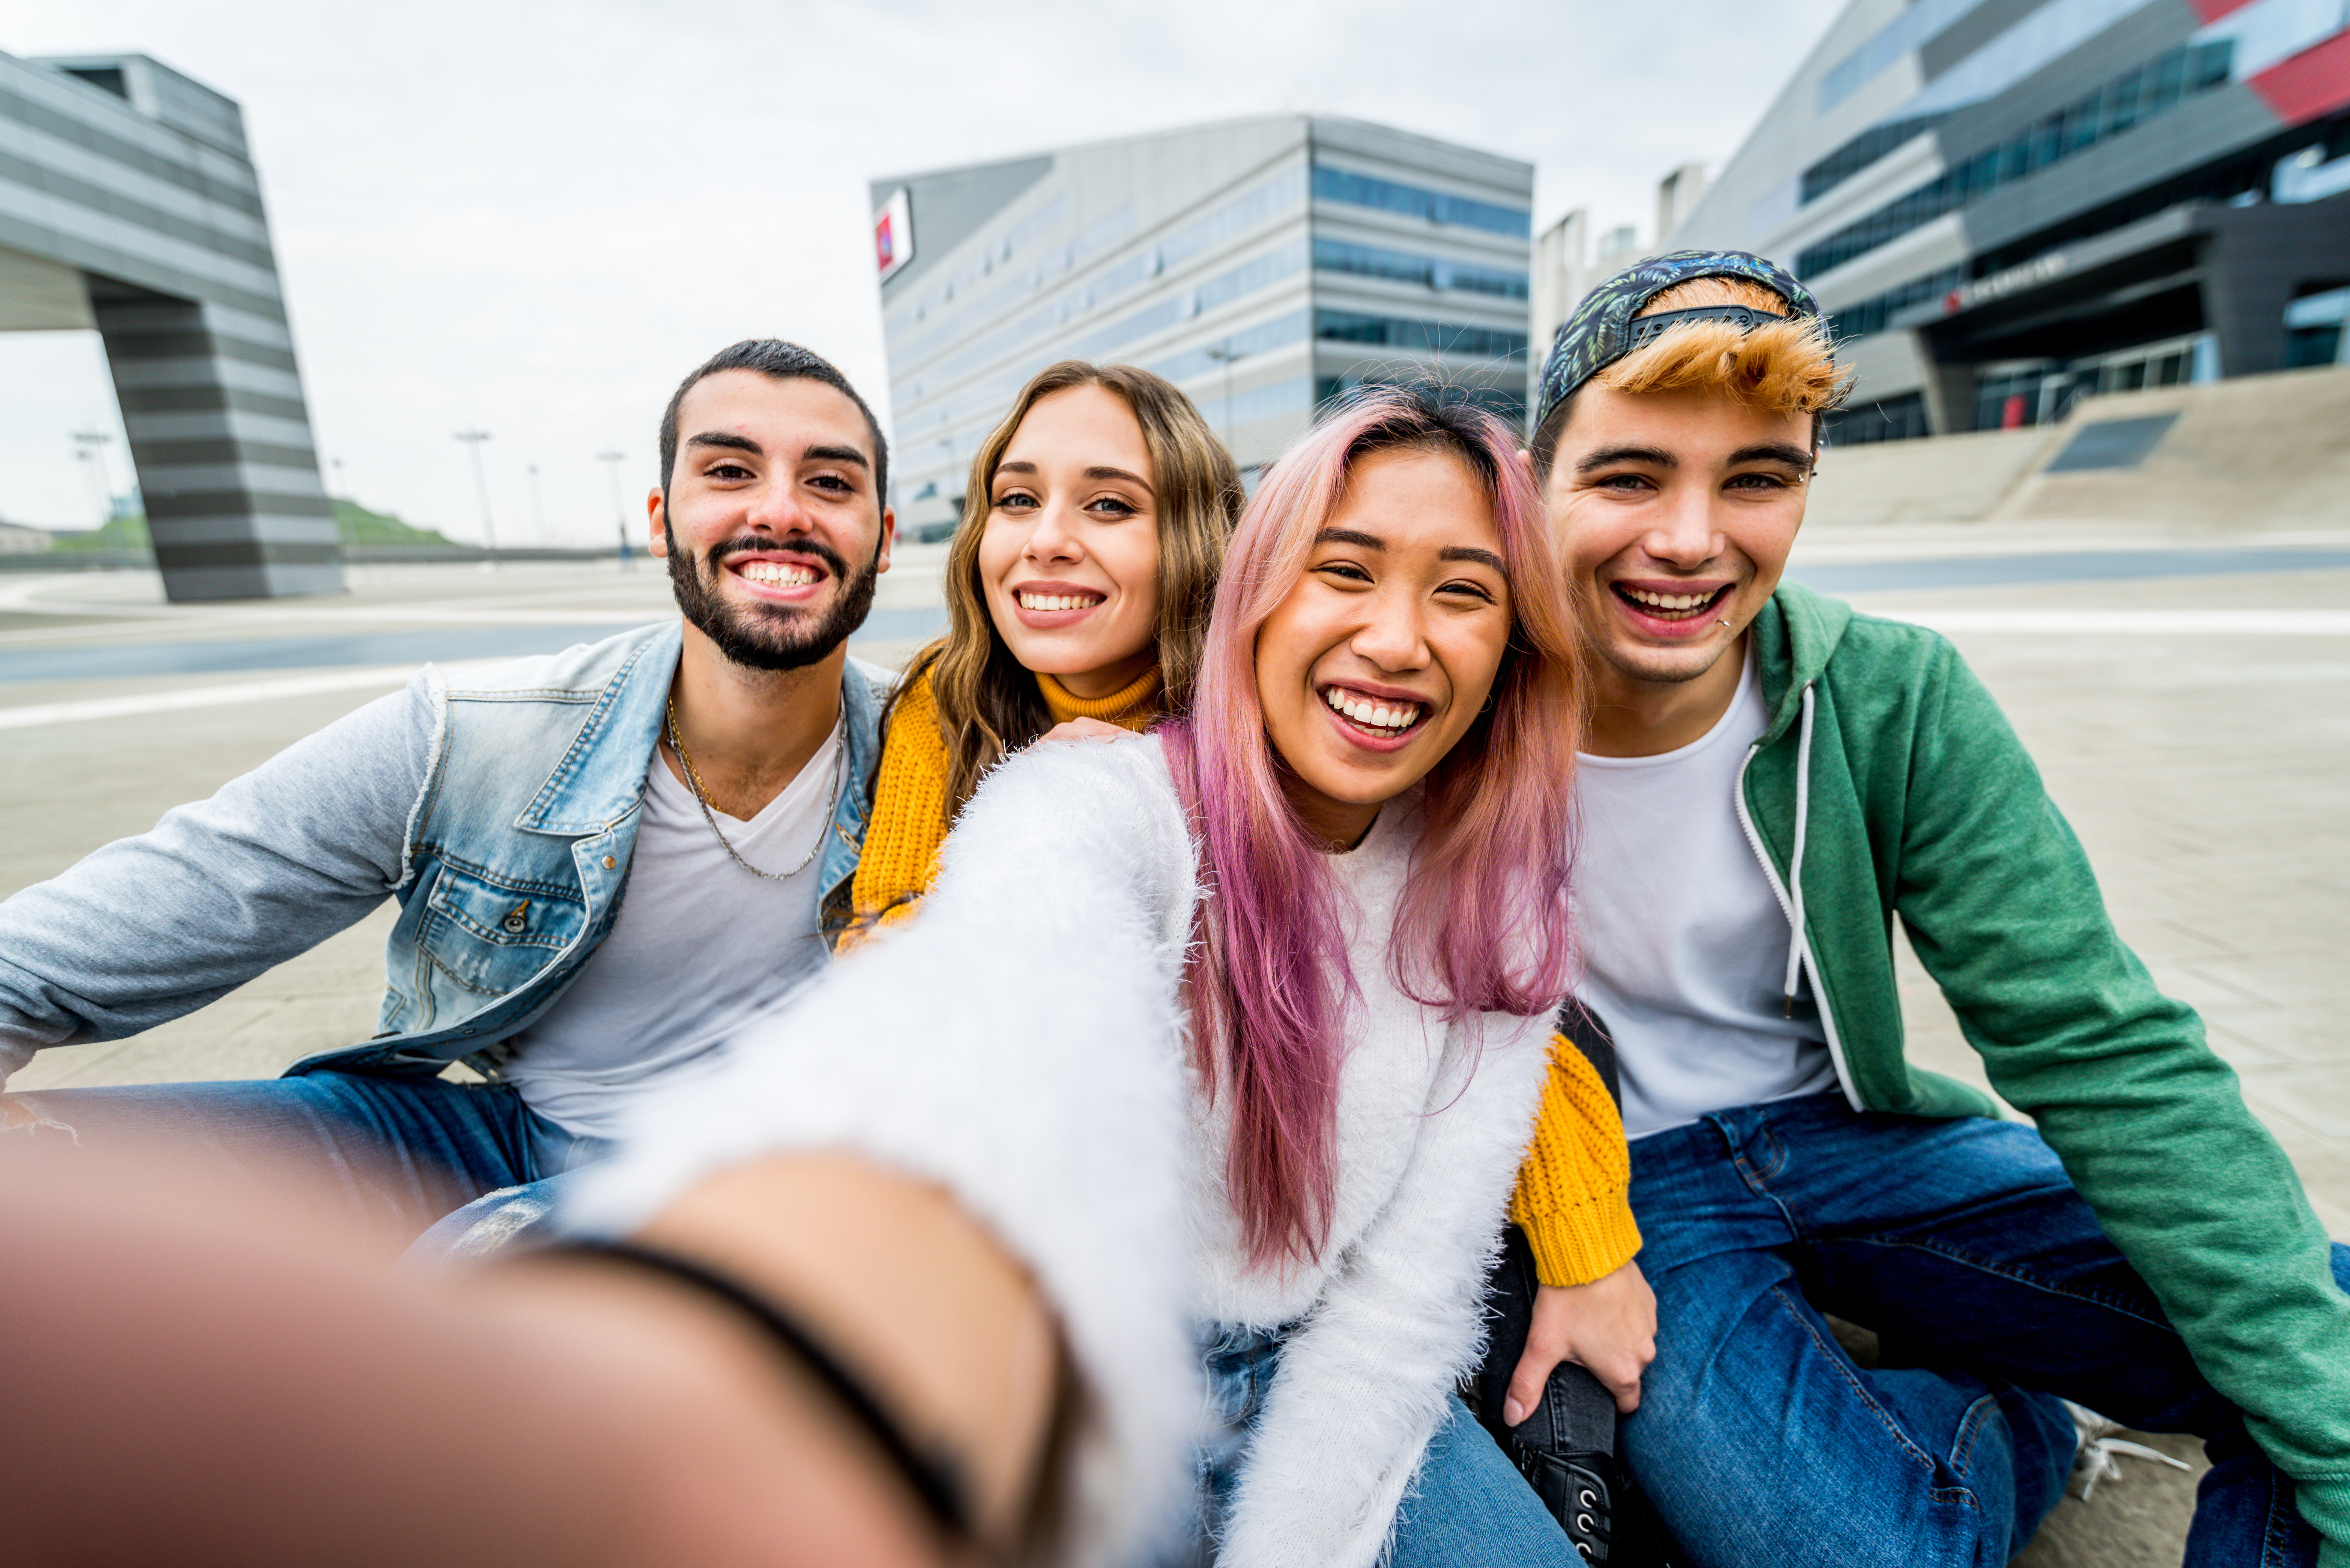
column 1773, row 781
column 711, row 768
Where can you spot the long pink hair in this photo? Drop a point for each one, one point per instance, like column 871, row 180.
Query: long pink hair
column 1482, row 922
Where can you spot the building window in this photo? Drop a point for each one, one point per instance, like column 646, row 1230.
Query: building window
column 106, row 78
column 1875, row 313
column 1232, row 348
column 1860, row 152
column 1418, row 337
column 1428, row 272
column 1505, row 405
column 1460, row 212
column 2141, row 94
column 1892, row 419
column 2315, row 328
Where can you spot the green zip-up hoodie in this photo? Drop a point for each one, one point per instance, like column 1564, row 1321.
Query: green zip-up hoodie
column 1922, row 803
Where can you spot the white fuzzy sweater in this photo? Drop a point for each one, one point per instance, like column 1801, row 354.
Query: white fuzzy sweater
column 1023, row 1045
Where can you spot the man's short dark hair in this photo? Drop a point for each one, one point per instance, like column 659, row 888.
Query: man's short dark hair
column 781, row 361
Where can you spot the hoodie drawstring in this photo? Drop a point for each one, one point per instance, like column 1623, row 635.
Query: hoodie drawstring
column 1796, row 866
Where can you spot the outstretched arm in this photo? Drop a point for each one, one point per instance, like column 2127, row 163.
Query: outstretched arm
column 1020, row 1046
column 150, row 928
column 195, row 1336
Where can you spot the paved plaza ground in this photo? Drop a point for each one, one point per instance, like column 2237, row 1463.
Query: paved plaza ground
column 2189, row 705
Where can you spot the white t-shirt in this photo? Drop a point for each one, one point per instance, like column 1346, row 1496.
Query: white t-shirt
column 1684, row 943
column 699, row 947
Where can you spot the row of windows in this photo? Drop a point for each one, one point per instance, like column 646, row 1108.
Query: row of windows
column 1235, row 217
column 1912, row 27
column 1419, row 336
column 2141, row 94
column 1874, row 315
column 1508, row 406
column 1894, row 419
column 1860, row 152
column 977, row 401
column 1462, row 212
column 1428, row 272
column 1262, row 339
column 2239, row 179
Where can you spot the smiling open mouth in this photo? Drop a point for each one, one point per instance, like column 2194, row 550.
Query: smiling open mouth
column 1670, row 606
column 1060, row 601
column 1383, row 717
column 779, row 573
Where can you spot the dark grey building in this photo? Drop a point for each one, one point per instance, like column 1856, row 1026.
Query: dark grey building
column 1263, row 265
column 2008, row 203
column 129, row 203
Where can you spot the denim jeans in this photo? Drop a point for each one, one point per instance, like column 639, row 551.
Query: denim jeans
column 1993, row 1291
column 1466, row 1508
column 393, row 1155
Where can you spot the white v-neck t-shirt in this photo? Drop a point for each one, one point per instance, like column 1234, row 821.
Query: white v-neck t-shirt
column 700, row 947
column 1684, row 941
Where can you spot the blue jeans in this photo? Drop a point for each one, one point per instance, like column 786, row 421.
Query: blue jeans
column 1466, row 1508
column 1992, row 1290
column 467, row 1165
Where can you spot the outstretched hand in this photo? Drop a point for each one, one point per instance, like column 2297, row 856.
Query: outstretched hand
column 1608, row 1327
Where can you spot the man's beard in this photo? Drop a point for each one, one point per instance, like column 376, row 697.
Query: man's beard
column 763, row 635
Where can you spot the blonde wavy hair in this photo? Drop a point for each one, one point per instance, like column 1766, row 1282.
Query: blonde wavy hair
column 1783, row 367
column 988, row 702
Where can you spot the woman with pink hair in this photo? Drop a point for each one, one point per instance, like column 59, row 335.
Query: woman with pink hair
column 1324, row 917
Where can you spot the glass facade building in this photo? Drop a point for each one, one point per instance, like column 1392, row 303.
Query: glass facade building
column 1263, row 265
column 129, row 203
column 2008, row 205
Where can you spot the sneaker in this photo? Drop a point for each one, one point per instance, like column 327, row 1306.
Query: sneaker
column 2096, row 1456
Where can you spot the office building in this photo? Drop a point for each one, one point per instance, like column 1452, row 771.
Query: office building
column 2006, row 204
column 1263, row 265
column 129, row 203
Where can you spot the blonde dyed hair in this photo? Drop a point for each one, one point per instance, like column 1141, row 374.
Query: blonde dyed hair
column 1780, row 367
column 989, row 704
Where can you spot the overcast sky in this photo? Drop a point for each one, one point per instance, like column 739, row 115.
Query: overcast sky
column 535, row 218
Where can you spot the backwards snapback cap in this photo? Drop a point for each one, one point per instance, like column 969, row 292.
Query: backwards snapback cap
column 1608, row 324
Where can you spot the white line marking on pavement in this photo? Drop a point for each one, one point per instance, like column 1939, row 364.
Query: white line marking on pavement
column 384, row 677
column 2131, row 622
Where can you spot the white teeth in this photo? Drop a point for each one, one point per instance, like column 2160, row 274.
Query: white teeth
column 1371, row 715
column 779, row 573
column 1059, row 601
column 1666, row 601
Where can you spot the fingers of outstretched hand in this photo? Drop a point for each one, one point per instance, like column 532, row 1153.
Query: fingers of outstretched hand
column 1085, row 730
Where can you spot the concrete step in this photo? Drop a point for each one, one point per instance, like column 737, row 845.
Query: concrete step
column 2256, row 454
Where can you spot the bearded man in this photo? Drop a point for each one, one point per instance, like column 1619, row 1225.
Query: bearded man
column 606, row 858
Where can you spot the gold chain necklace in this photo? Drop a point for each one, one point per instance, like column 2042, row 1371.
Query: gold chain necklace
column 702, row 799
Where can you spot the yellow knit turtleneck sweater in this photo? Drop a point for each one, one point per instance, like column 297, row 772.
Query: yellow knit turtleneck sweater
column 909, row 824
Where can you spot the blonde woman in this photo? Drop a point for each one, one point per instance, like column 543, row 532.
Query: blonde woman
column 1078, row 587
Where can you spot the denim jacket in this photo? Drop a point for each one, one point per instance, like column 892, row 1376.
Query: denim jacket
column 499, row 808
column 519, row 847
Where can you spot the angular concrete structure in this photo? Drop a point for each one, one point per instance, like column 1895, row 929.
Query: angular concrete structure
column 129, row 203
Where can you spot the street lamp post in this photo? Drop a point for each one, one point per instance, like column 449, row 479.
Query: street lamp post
column 1225, row 354
column 473, row 440
column 538, row 504
column 611, row 458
